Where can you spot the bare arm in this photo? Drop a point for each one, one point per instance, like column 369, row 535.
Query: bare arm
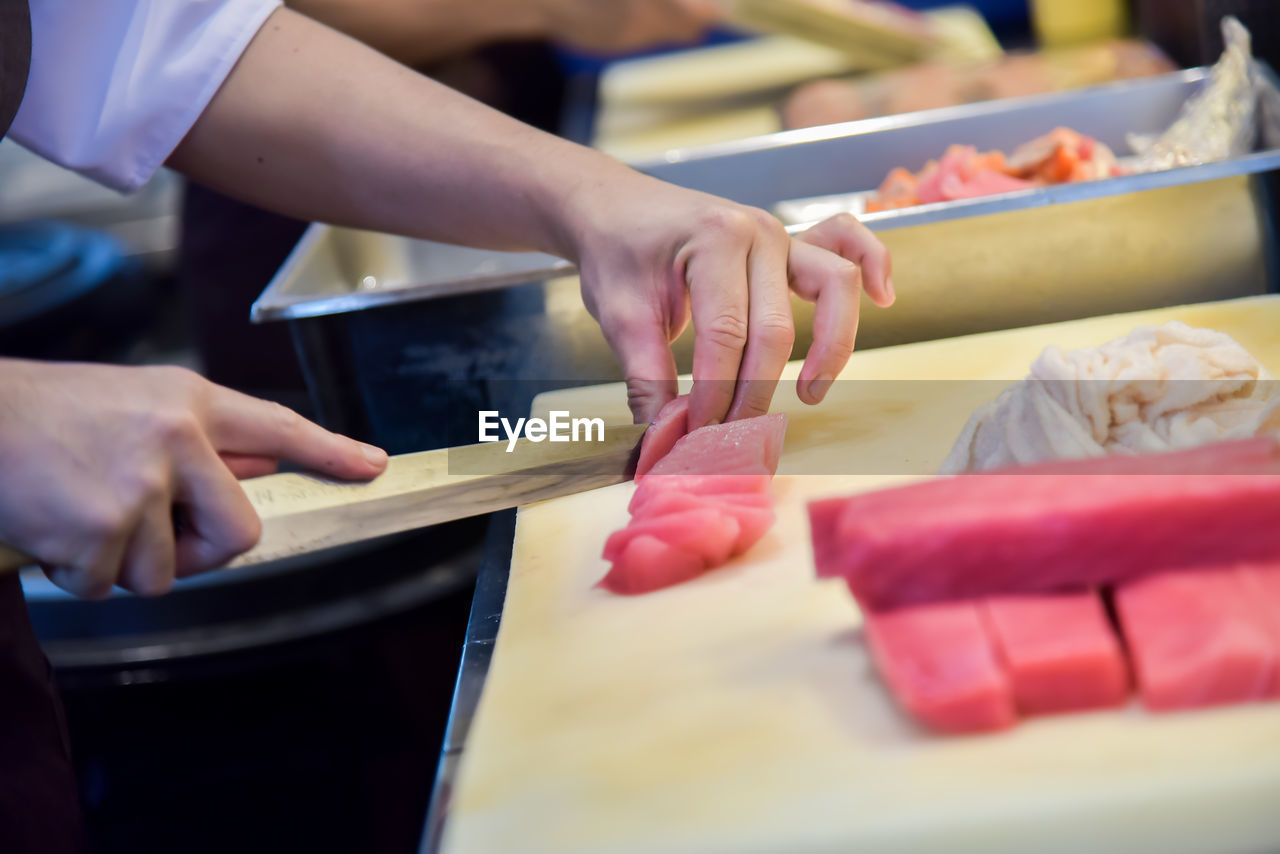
column 314, row 124
column 422, row 31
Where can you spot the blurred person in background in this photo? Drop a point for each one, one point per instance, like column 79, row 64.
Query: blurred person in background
column 268, row 105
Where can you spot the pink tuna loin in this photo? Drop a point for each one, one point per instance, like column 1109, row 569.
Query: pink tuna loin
column 1059, row 651
column 672, row 423
column 941, row 668
column 1050, row 530
column 734, row 447
column 1196, row 638
column 1262, row 581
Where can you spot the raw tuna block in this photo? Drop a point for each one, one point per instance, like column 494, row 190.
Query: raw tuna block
column 1196, row 638
column 1049, row 530
column 731, row 448
column 1059, row 651
column 1263, row 583
column 672, row 423
column 941, row 667
column 647, row 564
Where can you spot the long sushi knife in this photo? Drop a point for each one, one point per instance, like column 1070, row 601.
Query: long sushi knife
column 303, row 513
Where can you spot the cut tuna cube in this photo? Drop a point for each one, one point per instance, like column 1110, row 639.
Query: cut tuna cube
column 1050, row 530
column 671, row 424
column 646, row 564
column 708, row 533
column 1263, row 584
column 735, row 447
column 1195, row 638
column 941, row 668
column 1059, row 651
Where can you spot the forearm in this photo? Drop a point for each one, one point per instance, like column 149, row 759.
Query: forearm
column 313, row 124
column 418, row 32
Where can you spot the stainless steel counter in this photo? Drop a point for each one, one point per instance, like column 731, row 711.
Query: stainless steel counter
column 482, row 632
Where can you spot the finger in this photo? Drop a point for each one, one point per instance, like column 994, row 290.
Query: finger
column 219, row 521
column 836, row 282
column 647, row 363
column 245, row 425
column 770, row 329
column 719, row 297
column 245, row 466
column 92, row 563
column 848, row 238
column 149, row 562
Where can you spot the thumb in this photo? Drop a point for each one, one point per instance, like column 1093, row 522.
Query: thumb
column 647, row 364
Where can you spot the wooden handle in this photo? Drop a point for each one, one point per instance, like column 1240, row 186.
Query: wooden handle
column 303, row 513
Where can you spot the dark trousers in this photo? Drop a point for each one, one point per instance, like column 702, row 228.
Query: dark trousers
column 39, row 805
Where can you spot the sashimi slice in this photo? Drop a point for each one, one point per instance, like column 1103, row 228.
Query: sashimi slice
column 700, row 484
column 984, row 183
column 941, row 667
column 1195, row 639
column 709, row 533
column 735, row 447
column 1262, row 581
column 663, row 501
column 754, row 513
column 1059, row 651
column 647, row 564
column 667, row 429
column 988, row 534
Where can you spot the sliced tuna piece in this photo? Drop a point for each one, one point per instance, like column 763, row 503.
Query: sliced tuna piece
column 646, row 564
column 1059, row 651
column 753, row 512
column 1195, row 638
column 734, row 447
column 709, row 533
column 1050, row 530
column 667, row 429
column 941, row 667
column 700, row 484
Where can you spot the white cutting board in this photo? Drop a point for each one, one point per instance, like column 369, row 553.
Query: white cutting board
column 739, row 712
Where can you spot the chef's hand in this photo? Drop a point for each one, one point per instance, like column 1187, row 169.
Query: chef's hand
column 652, row 255
column 612, row 25
column 95, row 458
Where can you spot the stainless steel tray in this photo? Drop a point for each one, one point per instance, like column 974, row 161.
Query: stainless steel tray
column 1123, row 243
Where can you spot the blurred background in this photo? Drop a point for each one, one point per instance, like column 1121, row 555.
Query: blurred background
column 302, row 708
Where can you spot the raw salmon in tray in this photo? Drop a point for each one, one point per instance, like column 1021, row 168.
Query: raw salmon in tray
column 1049, row 152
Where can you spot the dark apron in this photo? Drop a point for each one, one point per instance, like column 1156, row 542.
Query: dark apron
column 39, row 804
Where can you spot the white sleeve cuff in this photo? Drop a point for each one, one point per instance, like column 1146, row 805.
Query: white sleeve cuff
column 115, row 85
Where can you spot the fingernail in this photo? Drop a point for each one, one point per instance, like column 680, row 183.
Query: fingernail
column 888, row 285
column 819, row 386
column 375, row 456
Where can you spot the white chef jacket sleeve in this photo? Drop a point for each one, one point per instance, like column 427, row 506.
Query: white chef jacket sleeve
column 116, row 84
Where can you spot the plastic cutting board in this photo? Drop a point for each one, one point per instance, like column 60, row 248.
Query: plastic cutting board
column 739, row 712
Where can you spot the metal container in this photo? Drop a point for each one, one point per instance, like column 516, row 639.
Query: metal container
column 384, row 324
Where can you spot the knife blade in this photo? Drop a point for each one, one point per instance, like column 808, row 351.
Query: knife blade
column 303, row 513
